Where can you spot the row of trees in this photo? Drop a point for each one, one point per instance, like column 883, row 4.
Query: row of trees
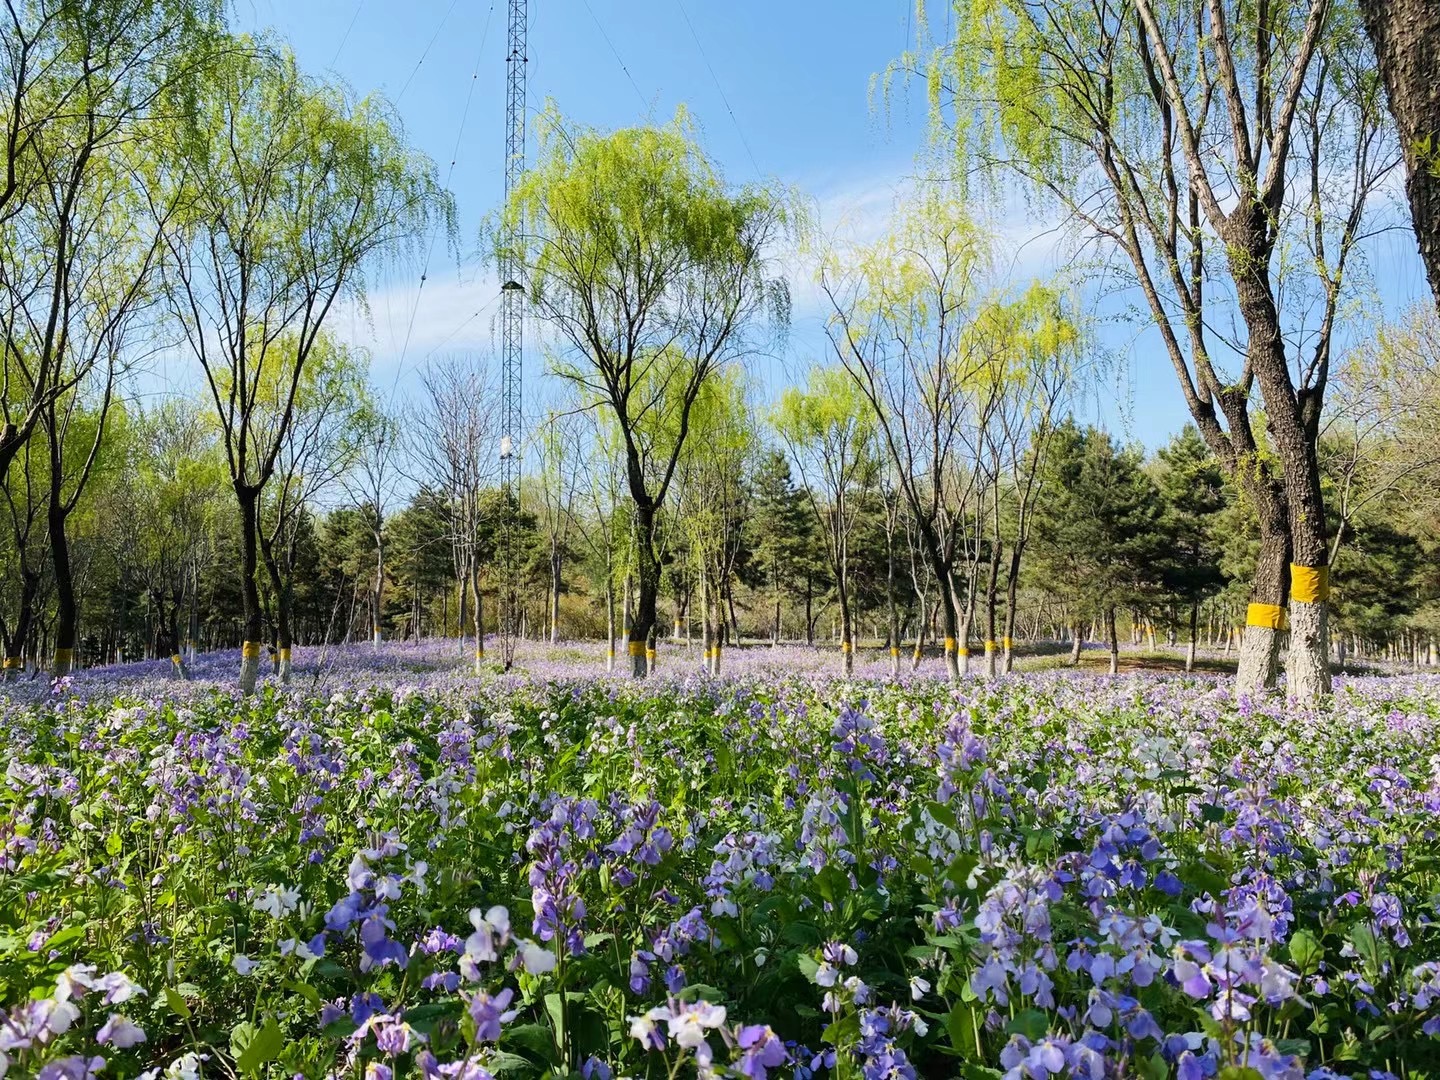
column 785, row 525
column 172, row 189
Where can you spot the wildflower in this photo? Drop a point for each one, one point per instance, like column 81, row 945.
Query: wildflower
column 72, row 1068
column 761, row 1050
column 243, row 964
column 119, row 1033
column 489, row 1013
column 277, row 901
column 645, row 1031
column 536, row 959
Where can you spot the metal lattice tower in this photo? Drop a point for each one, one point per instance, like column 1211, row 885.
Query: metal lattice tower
column 512, row 334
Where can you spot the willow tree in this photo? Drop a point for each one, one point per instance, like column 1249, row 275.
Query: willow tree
column 81, row 85
column 1220, row 151
column 654, row 275
column 829, row 429
column 713, row 500
column 292, row 190
column 902, row 313
column 330, row 412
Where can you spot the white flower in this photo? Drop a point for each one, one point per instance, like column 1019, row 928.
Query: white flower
column 243, row 964
column 536, row 959
column 277, row 901
column 826, row 974
column 481, row 945
column 59, row 1016
column 120, row 1033
column 918, row 987
column 116, row 987
column 642, row 1028
column 74, row 981
column 186, row 1067
column 688, row 1026
column 299, row 948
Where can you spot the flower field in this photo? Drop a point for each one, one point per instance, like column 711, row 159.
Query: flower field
column 397, row 870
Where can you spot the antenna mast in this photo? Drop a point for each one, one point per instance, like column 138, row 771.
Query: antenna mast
column 512, row 329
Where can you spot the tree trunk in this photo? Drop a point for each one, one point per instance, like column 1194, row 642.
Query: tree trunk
column 809, row 609
column 892, row 609
column 1406, row 35
column 249, row 498
column 554, row 590
column 847, row 639
column 284, row 635
column 1260, row 647
column 991, row 585
column 478, row 606
column 609, row 619
column 1114, row 640
column 1077, row 643
column 1194, row 633
column 377, row 596
column 65, row 606
column 920, row 623
column 642, row 630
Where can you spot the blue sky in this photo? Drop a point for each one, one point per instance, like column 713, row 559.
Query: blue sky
column 795, row 74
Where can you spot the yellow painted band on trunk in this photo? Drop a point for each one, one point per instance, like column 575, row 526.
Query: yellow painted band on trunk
column 12, row 662
column 989, row 646
column 949, row 644
column 965, row 651
column 64, row 656
column 1309, row 584
column 250, row 650
column 1269, row 616
column 637, row 648
column 176, row 659
column 284, row 654
column 845, row 646
column 1009, row 644
column 894, row 651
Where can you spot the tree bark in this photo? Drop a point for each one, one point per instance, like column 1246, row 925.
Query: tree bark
column 647, row 567
column 609, row 619
column 66, row 615
column 1260, row 646
column 284, row 634
column 249, row 499
column 478, row 605
column 1406, row 36
column 1194, row 632
column 555, row 567
column 1012, row 588
column 1114, row 640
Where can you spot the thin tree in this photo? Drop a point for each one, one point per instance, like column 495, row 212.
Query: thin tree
column 829, row 429
column 292, row 189
column 654, row 276
column 1197, row 142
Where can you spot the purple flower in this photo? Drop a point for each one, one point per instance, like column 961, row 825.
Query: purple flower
column 489, row 1013
column 761, row 1050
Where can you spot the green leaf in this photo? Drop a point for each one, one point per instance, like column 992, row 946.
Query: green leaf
column 1032, row 1023
column 534, row 1038
column 1239, row 1072
column 1306, row 951
column 263, row 1048
column 960, row 1025
column 176, row 1003
column 1212, row 813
